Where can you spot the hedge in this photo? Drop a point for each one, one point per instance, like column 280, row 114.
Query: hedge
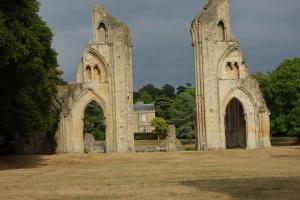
column 148, row 136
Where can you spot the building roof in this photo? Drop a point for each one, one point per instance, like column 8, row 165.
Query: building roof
column 143, row 108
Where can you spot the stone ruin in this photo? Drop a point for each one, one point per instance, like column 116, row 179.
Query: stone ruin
column 171, row 143
column 231, row 110
column 93, row 146
column 104, row 75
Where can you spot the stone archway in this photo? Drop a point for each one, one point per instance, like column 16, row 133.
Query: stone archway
column 77, row 113
column 221, row 74
column 239, row 98
column 94, row 129
column 104, row 75
column 235, row 125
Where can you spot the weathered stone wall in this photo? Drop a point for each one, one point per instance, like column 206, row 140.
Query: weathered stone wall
column 104, row 75
column 221, row 74
column 171, row 143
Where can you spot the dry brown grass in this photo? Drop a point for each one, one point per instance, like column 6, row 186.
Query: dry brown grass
column 236, row 174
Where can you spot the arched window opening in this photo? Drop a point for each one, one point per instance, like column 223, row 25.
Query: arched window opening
column 88, row 73
column 94, row 129
column 97, row 74
column 232, row 71
column 221, row 33
column 237, row 68
column 235, row 125
column 102, row 33
column 229, row 66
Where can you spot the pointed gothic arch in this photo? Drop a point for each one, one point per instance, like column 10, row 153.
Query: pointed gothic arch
column 221, row 31
column 235, row 57
column 77, row 112
column 97, row 73
column 221, row 74
column 235, row 125
column 94, row 128
column 247, row 102
column 102, row 64
column 88, row 73
column 102, row 33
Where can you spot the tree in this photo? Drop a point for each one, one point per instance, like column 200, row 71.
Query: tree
column 183, row 113
column 281, row 89
column 160, row 126
column 135, row 97
column 151, row 90
column 180, row 89
column 149, row 93
column 162, row 107
column 145, row 97
column 168, row 91
column 94, row 121
column 28, row 71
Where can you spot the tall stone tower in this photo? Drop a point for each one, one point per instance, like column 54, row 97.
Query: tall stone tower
column 231, row 111
column 104, row 75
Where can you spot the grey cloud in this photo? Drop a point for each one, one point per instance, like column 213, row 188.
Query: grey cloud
column 267, row 29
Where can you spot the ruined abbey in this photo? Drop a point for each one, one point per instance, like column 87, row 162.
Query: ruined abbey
column 104, row 75
column 231, row 112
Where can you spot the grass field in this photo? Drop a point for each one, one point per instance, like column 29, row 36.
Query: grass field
column 227, row 175
column 142, row 145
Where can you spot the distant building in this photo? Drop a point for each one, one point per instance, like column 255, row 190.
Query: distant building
column 142, row 116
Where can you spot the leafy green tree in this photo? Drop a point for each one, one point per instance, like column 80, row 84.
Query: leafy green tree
column 94, row 121
column 162, row 107
column 61, row 81
column 145, row 97
column 151, row 90
column 28, row 70
column 180, row 89
column 168, row 91
column 294, row 119
column 135, row 97
column 183, row 113
column 281, row 89
column 160, row 125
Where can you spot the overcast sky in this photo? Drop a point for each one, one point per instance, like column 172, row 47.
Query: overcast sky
column 268, row 30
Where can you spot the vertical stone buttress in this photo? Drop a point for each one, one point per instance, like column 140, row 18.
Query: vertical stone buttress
column 115, row 48
column 104, row 75
column 220, row 69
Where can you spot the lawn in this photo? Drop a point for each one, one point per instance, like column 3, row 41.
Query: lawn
column 151, row 145
column 227, row 175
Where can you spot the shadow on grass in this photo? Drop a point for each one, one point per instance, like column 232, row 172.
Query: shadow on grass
column 287, row 188
column 286, row 156
column 21, row 162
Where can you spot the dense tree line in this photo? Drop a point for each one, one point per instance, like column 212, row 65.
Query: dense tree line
column 281, row 90
column 176, row 106
column 28, row 72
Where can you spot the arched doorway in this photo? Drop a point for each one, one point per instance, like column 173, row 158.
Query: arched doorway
column 235, row 125
column 94, row 128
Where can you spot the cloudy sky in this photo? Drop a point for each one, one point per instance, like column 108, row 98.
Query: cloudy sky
column 268, row 30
